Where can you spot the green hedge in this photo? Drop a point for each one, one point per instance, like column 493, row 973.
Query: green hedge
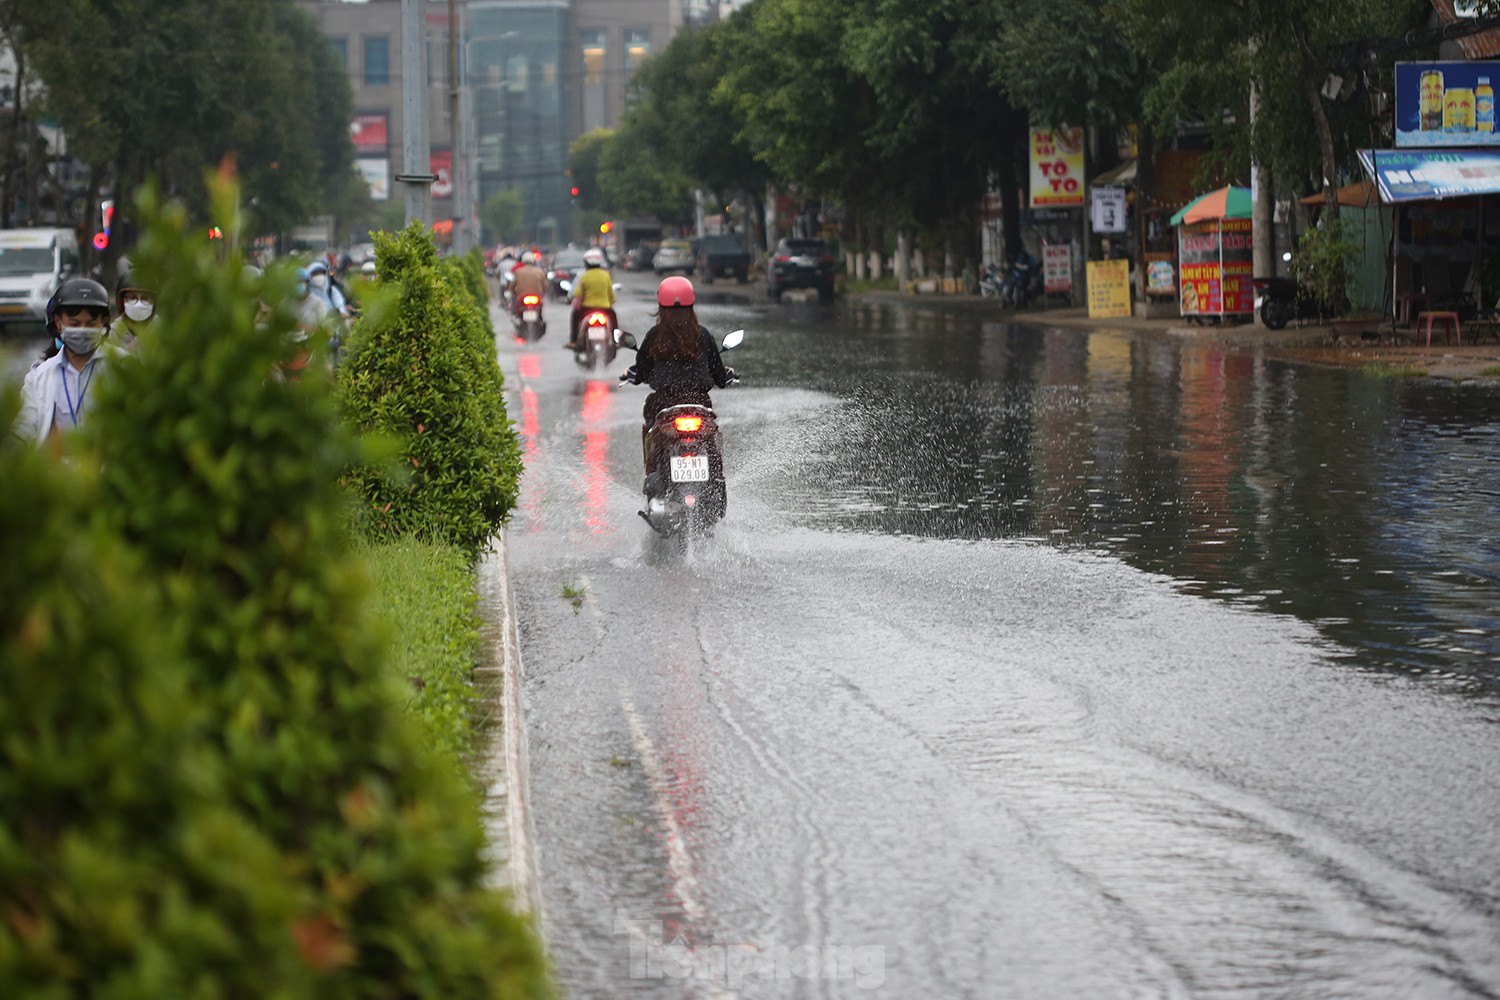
column 425, row 596
column 427, row 377
column 208, row 785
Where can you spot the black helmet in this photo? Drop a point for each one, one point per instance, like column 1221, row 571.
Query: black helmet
column 81, row 292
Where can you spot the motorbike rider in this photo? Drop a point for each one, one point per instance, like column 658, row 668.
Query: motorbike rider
column 593, row 289
column 678, row 357
column 528, row 279
column 55, row 395
column 135, row 308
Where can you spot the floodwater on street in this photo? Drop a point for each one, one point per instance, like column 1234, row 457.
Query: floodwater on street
column 1026, row 663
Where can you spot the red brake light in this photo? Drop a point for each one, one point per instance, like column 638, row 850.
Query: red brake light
column 687, row 424
column 530, row 300
column 782, row 258
column 596, row 319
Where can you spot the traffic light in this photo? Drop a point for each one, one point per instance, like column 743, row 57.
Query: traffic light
column 574, row 192
column 605, row 227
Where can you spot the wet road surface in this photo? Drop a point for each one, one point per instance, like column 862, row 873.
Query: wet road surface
column 1026, row 664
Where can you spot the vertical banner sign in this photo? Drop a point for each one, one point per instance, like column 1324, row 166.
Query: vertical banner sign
column 442, row 165
column 1057, row 268
column 1109, row 288
column 1446, row 104
column 1057, row 168
column 1109, row 209
column 1198, row 257
column 370, row 134
column 1237, row 263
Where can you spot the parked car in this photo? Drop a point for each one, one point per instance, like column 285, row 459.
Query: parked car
column 724, row 254
column 673, row 255
column 33, row 262
column 639, row 257
column 800, row 263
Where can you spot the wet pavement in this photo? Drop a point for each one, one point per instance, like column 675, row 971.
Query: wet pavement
column 1027, row 663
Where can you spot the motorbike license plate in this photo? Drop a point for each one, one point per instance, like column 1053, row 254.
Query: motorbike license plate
column 530, row 316
column 689, row 468
column 598, row 334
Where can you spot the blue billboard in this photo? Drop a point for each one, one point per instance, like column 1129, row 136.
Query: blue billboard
column 1431, row 175
column 1446, row 104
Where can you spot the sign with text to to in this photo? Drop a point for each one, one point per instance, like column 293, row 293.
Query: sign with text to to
column 1057, row 168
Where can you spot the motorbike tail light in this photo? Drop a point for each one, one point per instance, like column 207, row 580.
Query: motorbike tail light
column 530, row 300
column 596, row 319
column 690, row 500
column 687, row 425
column 782, row 258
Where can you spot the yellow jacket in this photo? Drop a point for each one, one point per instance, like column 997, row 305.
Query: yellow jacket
column 593, row 289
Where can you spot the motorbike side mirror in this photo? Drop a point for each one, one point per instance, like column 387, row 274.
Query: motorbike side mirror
column 566, row 286
column 733, row 339
column 617, row 286
column 626, row 340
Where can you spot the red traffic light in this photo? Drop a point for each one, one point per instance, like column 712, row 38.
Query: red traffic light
column 573, row 191
column 605, row 227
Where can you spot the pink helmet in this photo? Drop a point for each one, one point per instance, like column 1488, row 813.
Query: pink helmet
column 675, row 291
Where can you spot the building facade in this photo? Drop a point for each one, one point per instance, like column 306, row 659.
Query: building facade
column 531, row 75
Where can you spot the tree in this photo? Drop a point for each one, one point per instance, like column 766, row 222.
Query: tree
column 583, row 166
column 502, row 214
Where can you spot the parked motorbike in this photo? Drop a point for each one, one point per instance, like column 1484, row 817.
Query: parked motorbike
column 992, row 281
column 1281, row 300
column 1023, row 282
column 528, row 321
column 684, row 486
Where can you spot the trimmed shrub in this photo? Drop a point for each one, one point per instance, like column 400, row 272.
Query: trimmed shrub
column 427, row 377
column 275, row 827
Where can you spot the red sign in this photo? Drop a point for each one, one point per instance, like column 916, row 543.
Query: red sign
column 370, row 133
column 1216, row 264
column 442, row 165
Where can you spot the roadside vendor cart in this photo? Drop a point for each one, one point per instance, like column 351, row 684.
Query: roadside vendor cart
column 1215, row 255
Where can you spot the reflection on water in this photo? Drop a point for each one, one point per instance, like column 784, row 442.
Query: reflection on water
column 1363, row 504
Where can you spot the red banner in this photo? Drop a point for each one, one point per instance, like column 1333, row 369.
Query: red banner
column 442, row 165
column 370, row 133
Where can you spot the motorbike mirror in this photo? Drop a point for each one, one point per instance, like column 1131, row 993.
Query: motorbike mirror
column 733, row 339
column 618, row 286
column 566, row 286
column 1287, row 256
column 626, row 340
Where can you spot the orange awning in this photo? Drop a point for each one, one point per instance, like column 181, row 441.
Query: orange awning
column 1360, row 194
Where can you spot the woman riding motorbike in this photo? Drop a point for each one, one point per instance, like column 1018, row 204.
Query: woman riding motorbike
column 678, row 357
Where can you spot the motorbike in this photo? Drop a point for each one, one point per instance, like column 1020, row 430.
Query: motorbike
column 528, row 321
column 991, row 282
column 595, row 345
column 684, row 485
column 1281, row 300
column 1023, row 282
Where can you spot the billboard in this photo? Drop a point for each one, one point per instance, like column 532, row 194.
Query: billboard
column 1427, row 175
column 1446, row 104
column 370, row 133
column 1057, row 168
column 377, row 173
column 442, row 166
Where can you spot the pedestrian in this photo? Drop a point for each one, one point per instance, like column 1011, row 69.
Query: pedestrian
column 135, row 309
column 55, row 396
column 593, row 289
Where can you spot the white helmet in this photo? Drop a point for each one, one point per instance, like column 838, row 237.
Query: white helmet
column 528, row 257
column 593, row 257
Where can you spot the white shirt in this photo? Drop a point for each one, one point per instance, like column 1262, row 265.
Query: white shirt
column 55, row 394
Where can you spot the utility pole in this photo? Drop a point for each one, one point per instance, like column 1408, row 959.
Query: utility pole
column 1262, row 235
column 416, row 156
column 460, row 216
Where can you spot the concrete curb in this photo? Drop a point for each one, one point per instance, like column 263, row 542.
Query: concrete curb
column 519, row 872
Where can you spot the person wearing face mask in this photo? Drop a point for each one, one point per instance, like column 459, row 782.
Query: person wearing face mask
column 56, row 394
column 135, row 308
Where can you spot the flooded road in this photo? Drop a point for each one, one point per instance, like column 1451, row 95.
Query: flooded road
column 1027, row 663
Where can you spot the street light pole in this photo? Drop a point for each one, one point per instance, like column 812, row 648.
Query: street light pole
column 416, row 157
column 460, row 215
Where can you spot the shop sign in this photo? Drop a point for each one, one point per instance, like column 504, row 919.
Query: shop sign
column 1426, row 175
column 370, row 133
column 1057, row 268
column 1109, row 209
column 1057, row 168
column 442, row 166
column 377, row 174
column 1109, row 288
column 1216, row 262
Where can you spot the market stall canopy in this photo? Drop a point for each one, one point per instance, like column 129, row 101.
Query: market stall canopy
column 1225, row 203
column 1123, row 174
column 1360, row 194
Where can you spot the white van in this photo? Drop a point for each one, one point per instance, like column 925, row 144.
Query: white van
column 33, row 262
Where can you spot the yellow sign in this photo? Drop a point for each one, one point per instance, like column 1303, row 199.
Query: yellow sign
column 1057, row 168
column 1109, row 288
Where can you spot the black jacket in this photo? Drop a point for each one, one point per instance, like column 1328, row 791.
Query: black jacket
column 691, row 377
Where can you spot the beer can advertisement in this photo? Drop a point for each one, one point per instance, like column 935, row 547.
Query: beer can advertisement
column 1441, row 104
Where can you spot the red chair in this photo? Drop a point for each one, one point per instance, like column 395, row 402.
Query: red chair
column 1449, row 321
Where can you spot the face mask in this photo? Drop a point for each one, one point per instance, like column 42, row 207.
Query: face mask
column 320, row 280
column 82, row 339
column 138, row 311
